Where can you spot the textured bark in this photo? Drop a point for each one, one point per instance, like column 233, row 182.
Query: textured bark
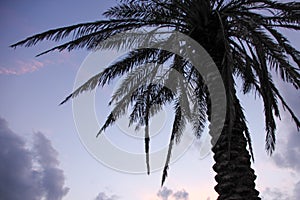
column 235, row 177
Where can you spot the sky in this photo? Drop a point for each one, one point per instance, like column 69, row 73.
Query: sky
column 43, row 156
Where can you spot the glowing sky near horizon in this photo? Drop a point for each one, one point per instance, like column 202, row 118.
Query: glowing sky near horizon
column 39, row 130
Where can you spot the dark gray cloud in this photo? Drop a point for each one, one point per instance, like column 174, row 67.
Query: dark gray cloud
column 28, row 174
column 103, row 196
column 51, row 176
column 181, row 195
column 18, row 179
column 165, row 194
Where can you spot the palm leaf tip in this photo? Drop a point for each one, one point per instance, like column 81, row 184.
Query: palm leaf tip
column 147, row 156
column 99, row 133
column 165, row 174
column 147, row 141
column 66, row 99
column 270, row 141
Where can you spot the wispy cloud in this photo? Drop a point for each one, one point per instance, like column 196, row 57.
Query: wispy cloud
column 104, row 196
column 289, row 153
column 296, row 192
column 181, row 195
column 22, row 67
column 275, row 194
column 164, row 193
column 29, row 173
column 167, row 194
column 288, row 150
column 279, row 194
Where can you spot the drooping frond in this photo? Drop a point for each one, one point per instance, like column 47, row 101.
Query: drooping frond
column 133, row 80
column 270, row 101
column 159, row 96
column 147, row 134
column 177, row 130
column 199, row 110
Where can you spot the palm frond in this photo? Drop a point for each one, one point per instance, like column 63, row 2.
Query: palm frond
column 134, row 58
column 77, row 31
column 147, row 134
column 137, row 77
column 177, row 130
column 270, row 102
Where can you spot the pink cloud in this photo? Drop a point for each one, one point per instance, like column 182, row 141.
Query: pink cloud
column 22, row 67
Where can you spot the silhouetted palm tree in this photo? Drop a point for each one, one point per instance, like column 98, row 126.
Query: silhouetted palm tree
column 245, row 40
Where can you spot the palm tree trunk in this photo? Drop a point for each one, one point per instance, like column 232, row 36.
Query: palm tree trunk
column 235, row 177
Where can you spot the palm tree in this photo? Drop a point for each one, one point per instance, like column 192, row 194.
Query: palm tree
column 244, row 39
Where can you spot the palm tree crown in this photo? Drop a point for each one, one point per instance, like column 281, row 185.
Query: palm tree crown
column 243, row 37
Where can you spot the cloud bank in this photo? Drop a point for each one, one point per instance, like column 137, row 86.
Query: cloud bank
column 29, row 173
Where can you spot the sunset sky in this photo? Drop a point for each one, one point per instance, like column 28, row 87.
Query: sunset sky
column 46, row 156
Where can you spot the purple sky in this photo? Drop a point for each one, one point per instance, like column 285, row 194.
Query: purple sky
column 41, row 154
